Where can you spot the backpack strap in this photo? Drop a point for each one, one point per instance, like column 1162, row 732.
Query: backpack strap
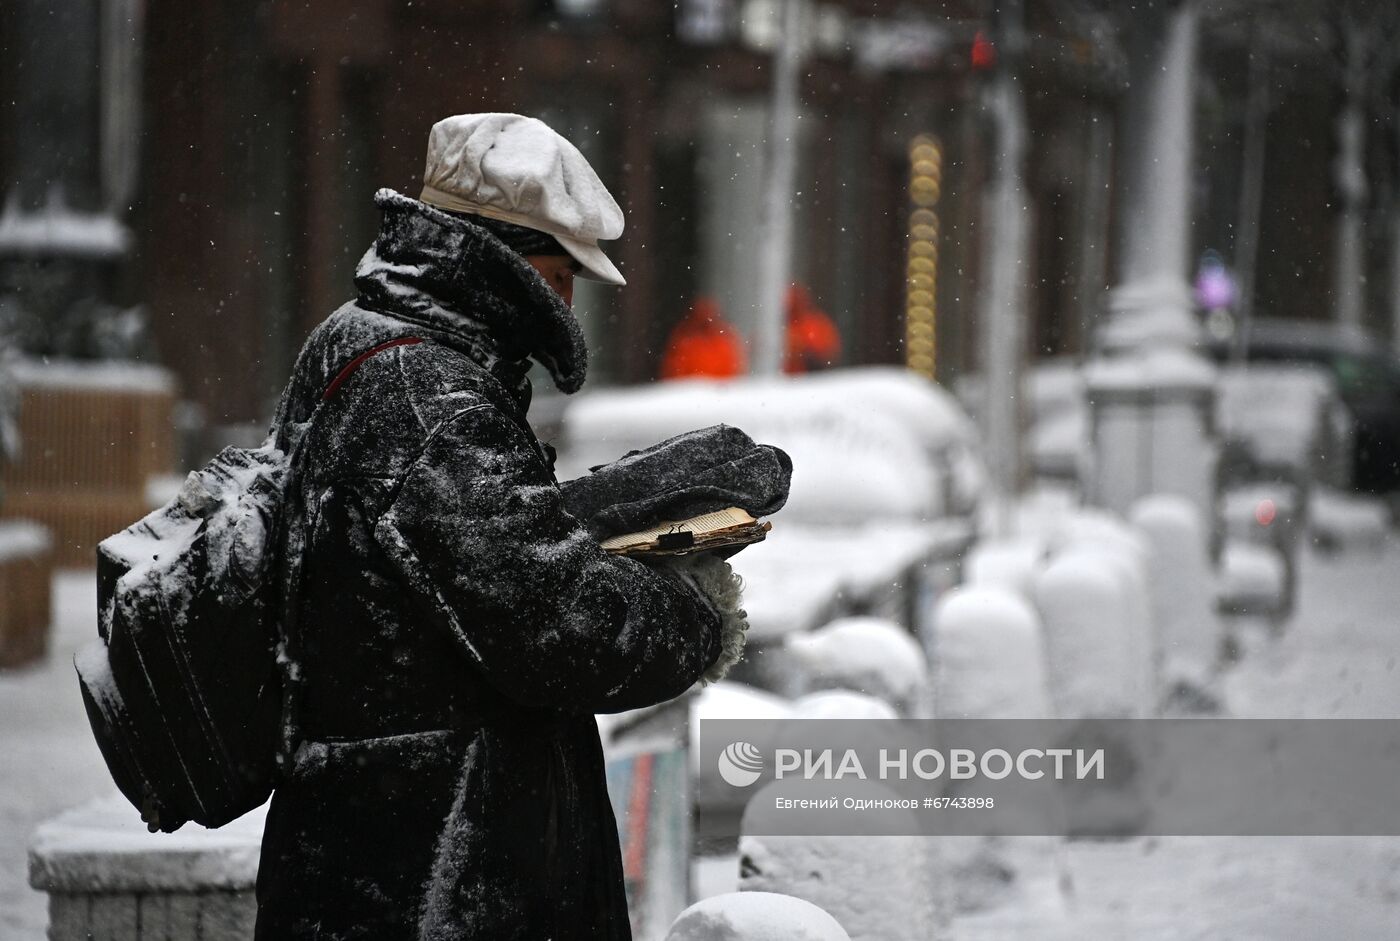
column 291, row 571
column 358, row 361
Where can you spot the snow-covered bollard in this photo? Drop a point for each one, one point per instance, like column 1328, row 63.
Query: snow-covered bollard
column 989, row 656
column 1098, row 671
column 1180, row 589
column 879, row 888
column 1083, row 602
column 842, row 704
column 989, row 661
column 755, row 916
column 719, row 807
column 866, row 654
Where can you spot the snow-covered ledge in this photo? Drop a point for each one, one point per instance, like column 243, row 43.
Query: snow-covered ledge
column 107, row 877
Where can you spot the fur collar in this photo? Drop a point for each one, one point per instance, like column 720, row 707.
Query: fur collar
column 443, row 272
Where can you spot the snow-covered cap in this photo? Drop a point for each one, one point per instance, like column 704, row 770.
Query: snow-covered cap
column 514, row 168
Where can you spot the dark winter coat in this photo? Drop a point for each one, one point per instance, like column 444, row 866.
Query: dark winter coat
column 453, row 628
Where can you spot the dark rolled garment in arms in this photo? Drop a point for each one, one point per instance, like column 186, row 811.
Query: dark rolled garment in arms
column 454, row 628
column 693, row 473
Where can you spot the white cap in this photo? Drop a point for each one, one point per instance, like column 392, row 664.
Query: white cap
column 517, row 169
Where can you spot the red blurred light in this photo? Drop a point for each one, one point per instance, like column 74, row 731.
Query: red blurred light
column 1265, row 512
column 984, row 54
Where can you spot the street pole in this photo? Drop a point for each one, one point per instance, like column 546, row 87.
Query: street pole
column 778, row 187
column 1005, row 230
column 1251, row 191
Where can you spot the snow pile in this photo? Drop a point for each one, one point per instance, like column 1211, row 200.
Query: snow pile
column 880, row 888
column 928, row 413
column 755, row 916
column 870, row 655
column 1342, row 521
column 1181, row 587
column 842, row 704
column 1253, row 578
column 857, row 461
column 989, row 655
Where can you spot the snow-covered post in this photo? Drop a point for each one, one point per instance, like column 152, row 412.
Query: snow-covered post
column 755, row 916
column 1004, row 239
column 1181, row 588
column 1085, row 600
column 1084, row 606
column 990, row 656
column 880, row 888
column 781, row 164
column 865, row 654
column 990, row 664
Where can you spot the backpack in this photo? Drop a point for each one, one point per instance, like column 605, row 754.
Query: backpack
column 183, row 689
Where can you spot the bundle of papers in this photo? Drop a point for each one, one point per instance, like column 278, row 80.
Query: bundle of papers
column 728, row 527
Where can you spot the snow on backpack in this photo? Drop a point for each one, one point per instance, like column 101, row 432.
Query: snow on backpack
column 183, row 689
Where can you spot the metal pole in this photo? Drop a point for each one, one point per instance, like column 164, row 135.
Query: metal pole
column 1005, row 233
column 778, row 186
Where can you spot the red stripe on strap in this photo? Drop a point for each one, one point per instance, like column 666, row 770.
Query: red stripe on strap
column 355, row 363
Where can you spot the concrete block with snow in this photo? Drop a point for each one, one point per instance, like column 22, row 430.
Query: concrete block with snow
column 107, row 877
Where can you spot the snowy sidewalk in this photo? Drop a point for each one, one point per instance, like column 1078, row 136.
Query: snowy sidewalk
column 50, row 762
column 1339, row 658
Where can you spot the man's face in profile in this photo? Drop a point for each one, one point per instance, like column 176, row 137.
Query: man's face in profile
column 558, row 272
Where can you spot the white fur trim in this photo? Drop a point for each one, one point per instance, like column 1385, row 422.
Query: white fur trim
column 724, row 588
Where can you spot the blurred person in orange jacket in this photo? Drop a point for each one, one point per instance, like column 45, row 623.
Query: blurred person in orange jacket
column 703, row 344
column 813, row 342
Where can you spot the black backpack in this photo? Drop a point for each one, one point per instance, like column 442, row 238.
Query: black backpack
column 184, row 688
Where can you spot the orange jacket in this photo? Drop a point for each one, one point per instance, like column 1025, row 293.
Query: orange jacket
column 813, row 342
column 703, row 344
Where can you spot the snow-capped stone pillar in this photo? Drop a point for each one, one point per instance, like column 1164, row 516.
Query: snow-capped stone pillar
column 1152, row 428
column 1151, row 400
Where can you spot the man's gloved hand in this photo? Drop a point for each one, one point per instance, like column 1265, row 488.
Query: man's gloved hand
column 696, row 472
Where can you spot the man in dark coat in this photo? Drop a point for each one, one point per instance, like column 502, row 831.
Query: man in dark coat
column 451, row 629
